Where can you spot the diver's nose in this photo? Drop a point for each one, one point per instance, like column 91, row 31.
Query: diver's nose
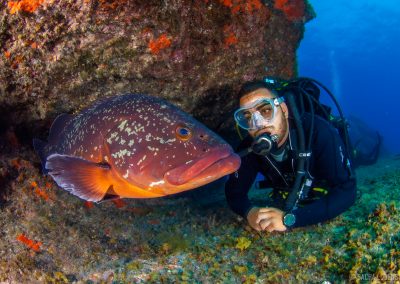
column 258, row 120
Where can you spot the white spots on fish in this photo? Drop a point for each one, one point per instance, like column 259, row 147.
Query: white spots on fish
column 141, row 160
column 129, row 131
column 163, row 106
column 208, row 177
column 153, row 149
column 121, row 153
column 108, row 118
column 162, row 141
column 131, row 142
column 148, row 136
column 113, row 135
column 138, row 128
column 122, row 142
column 167, row 120
column 188, row 162
column 156, row 183
column 122, row 125
column 126, row 175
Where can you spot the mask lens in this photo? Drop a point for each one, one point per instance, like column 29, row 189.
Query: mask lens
column 266, row 110
column 252, row 117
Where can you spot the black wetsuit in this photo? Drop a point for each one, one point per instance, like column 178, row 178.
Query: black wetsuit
column 327, row 167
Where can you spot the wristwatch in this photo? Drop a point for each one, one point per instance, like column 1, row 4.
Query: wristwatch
column 289, row 219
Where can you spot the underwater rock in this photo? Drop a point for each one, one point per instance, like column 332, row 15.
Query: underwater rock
column 61, row 56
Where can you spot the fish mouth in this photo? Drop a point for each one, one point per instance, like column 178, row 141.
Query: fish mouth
column 206, row 169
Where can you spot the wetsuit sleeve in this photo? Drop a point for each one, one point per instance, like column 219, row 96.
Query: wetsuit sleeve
column 328, row 165
column 239, row 184
column 338, row 200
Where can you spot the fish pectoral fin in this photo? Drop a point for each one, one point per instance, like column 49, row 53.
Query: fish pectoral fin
column 87, row 180
column 109, row 197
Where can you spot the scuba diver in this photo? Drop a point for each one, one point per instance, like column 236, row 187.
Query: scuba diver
column 296, row 145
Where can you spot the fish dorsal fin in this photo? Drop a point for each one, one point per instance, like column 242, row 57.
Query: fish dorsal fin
column 58, row 125
column 87, row 180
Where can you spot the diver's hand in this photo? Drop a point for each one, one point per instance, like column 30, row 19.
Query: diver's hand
column 266, row 219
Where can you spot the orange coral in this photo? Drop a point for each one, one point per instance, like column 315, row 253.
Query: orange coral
column 230, row 40
column 41, row 193
column 119, row 203
column 227, row 3
column 154, row 222
column 38, row 191
column 242, row 5
column 293, row 9
column 160, row 43
column 29, row 6
column 88, row 204
column 112, row 4
column 19, row 164
column 18, row 59
column 29, row 243
column 34, row 45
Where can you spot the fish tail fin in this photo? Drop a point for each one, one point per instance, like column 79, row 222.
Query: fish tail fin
column 39, row 146
column 87, row 180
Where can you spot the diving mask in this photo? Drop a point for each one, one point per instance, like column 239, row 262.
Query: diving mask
column 259, row 114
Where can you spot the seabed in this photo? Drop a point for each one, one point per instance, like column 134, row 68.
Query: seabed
column 50, row 236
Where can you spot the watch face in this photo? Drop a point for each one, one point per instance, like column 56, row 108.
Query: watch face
column 289, row 219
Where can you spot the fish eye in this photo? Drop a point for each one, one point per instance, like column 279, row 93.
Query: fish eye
column 183, row 133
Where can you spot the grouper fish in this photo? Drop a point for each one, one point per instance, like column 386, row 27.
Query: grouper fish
column 133, row 146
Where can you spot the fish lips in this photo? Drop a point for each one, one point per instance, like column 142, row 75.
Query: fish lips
column 208, row 168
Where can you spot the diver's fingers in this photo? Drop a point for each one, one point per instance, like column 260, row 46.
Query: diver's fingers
column 265, row 215
column 255, row 226
column 271, row 228
column 265, row 223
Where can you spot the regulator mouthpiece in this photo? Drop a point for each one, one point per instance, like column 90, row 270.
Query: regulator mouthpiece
column 265, row 144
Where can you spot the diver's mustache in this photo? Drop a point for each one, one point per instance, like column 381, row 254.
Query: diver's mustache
column 267, row 129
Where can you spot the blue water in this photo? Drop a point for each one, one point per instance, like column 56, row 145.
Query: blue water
column 353, row 47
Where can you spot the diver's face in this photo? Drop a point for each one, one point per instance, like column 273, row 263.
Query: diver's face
column 279, row 125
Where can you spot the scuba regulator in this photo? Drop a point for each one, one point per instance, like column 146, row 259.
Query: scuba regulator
column 265, row 144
